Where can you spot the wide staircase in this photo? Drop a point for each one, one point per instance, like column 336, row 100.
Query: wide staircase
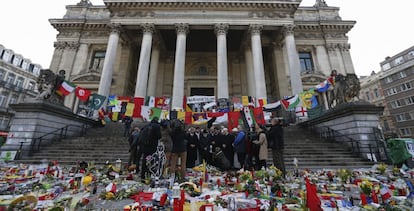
column 107, row 143
column 312, row 152
column 100, row 144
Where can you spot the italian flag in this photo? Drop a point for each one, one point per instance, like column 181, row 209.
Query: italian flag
column 65, row 88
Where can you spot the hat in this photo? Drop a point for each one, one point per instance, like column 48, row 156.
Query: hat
column 235, row 130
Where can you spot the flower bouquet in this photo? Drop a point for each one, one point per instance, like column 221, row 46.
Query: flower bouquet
column 275, row 173
column 344, row 174
column 366, row 187
column 382, row 167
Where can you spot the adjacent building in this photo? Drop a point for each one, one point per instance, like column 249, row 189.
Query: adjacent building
column 397, row 82
column 18, row 77
column 392, row 88
column 264, row 49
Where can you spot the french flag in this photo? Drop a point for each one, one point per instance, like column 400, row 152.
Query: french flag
column 322, row 87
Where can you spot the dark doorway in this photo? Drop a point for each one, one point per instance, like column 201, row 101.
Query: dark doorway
column 202, row 91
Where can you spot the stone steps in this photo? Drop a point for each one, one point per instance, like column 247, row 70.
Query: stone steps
column 100, row 146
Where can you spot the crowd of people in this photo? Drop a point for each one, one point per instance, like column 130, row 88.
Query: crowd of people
column 188, row 146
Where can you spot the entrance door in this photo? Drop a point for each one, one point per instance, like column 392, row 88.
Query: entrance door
column 202, row 91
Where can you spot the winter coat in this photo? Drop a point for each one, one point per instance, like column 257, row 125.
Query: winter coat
column 263, row 146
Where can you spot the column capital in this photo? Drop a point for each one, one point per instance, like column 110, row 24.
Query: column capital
column 221, row 28
column 288, row 29
column 148, row 28
column 182, row 28
column 115, row 27
column 255, row 29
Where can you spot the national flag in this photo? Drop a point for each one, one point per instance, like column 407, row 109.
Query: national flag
column 165, row 114
column 385, row 193
column 306, row 98
column 188, row 108
column 215, row 114
column 272, row 106
column 248, row 116
column 112, row 100
column 312, row 200
column 160, row 102
column 199, row 118
column 184, row 102
column 258, row 115
column 222, row 119
column 82, row 93
column 314, row 101
column 130, row 109
column 209, row 105
column 115, row 116
column 138, row 102
column 155, row 113
column 301, row 112
column 150, row 101
column 322, row 87
column 181, row 115
column 145, row 113
column 97, row 101
column 65, row 88
column 262, row 102
column 233, row 119
column 188, row 119
column 315, row 112
column 291, row 102
column 245, row 100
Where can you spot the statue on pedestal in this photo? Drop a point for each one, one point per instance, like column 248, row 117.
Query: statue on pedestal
column 345, row 89
column 47, row 84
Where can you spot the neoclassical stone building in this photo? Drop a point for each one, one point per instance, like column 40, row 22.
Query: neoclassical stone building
column 223, row 48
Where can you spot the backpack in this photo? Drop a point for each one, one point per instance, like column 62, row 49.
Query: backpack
column 145, row 135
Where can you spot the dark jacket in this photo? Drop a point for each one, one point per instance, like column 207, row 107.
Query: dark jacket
column 154, row 137
column 276, row 140
column 178, row 137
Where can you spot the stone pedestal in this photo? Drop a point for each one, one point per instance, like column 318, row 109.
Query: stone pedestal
column 39, row 123
column 355, row 122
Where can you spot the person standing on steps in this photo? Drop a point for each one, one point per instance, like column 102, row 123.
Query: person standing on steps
column 277, row 144
column 127, row 120
column 148, row 140
column 133, row 146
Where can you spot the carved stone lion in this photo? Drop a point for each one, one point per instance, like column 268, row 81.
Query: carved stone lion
column 47, row 84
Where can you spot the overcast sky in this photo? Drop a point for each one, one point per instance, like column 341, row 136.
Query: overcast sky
column 383, row 28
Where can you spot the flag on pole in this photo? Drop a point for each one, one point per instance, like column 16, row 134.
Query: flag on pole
column 138, row 102
column 301, row 112
column 262, row 102
column 130, row 109
column 145, row 113
column 272, row 106
column 82, row 93
column 233, row 119
column 97, row 101
column 291, row 102
column 248, row 116
column 322, row 87
column 258, row 115
column 65, row 88
column 312, row 200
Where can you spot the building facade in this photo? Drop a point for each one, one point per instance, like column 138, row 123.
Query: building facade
column 18, row 78
column 397, row 82
column 264, row 49
column 371, row 91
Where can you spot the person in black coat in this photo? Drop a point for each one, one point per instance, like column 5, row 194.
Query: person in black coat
column 154, row 134
column 276, row 142
column 191, row 147
column 179, row 149
column 226, row 144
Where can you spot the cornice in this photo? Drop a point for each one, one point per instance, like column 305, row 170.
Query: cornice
column 113, row 4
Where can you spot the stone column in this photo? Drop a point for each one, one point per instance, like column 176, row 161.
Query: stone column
column 144, row 60
column 222, row 72
column 81, row 58
column 249, row 70
column 179, row 66
column 293, row 60
column 108, row 66
column 57, row 55
column 258, row 68
column 152, row 80
column 346, row 58
column 323, row 60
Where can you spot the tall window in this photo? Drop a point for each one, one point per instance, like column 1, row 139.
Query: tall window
column 10, row 78
column 388, row 79
column 367, row 96
column 19, row 82
column 376, row 93
column 2, row 73
column 306, row 64
column 97, row 61
column 3, row 98
column 13, row 99
column 405, row 131
column 31, row 85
